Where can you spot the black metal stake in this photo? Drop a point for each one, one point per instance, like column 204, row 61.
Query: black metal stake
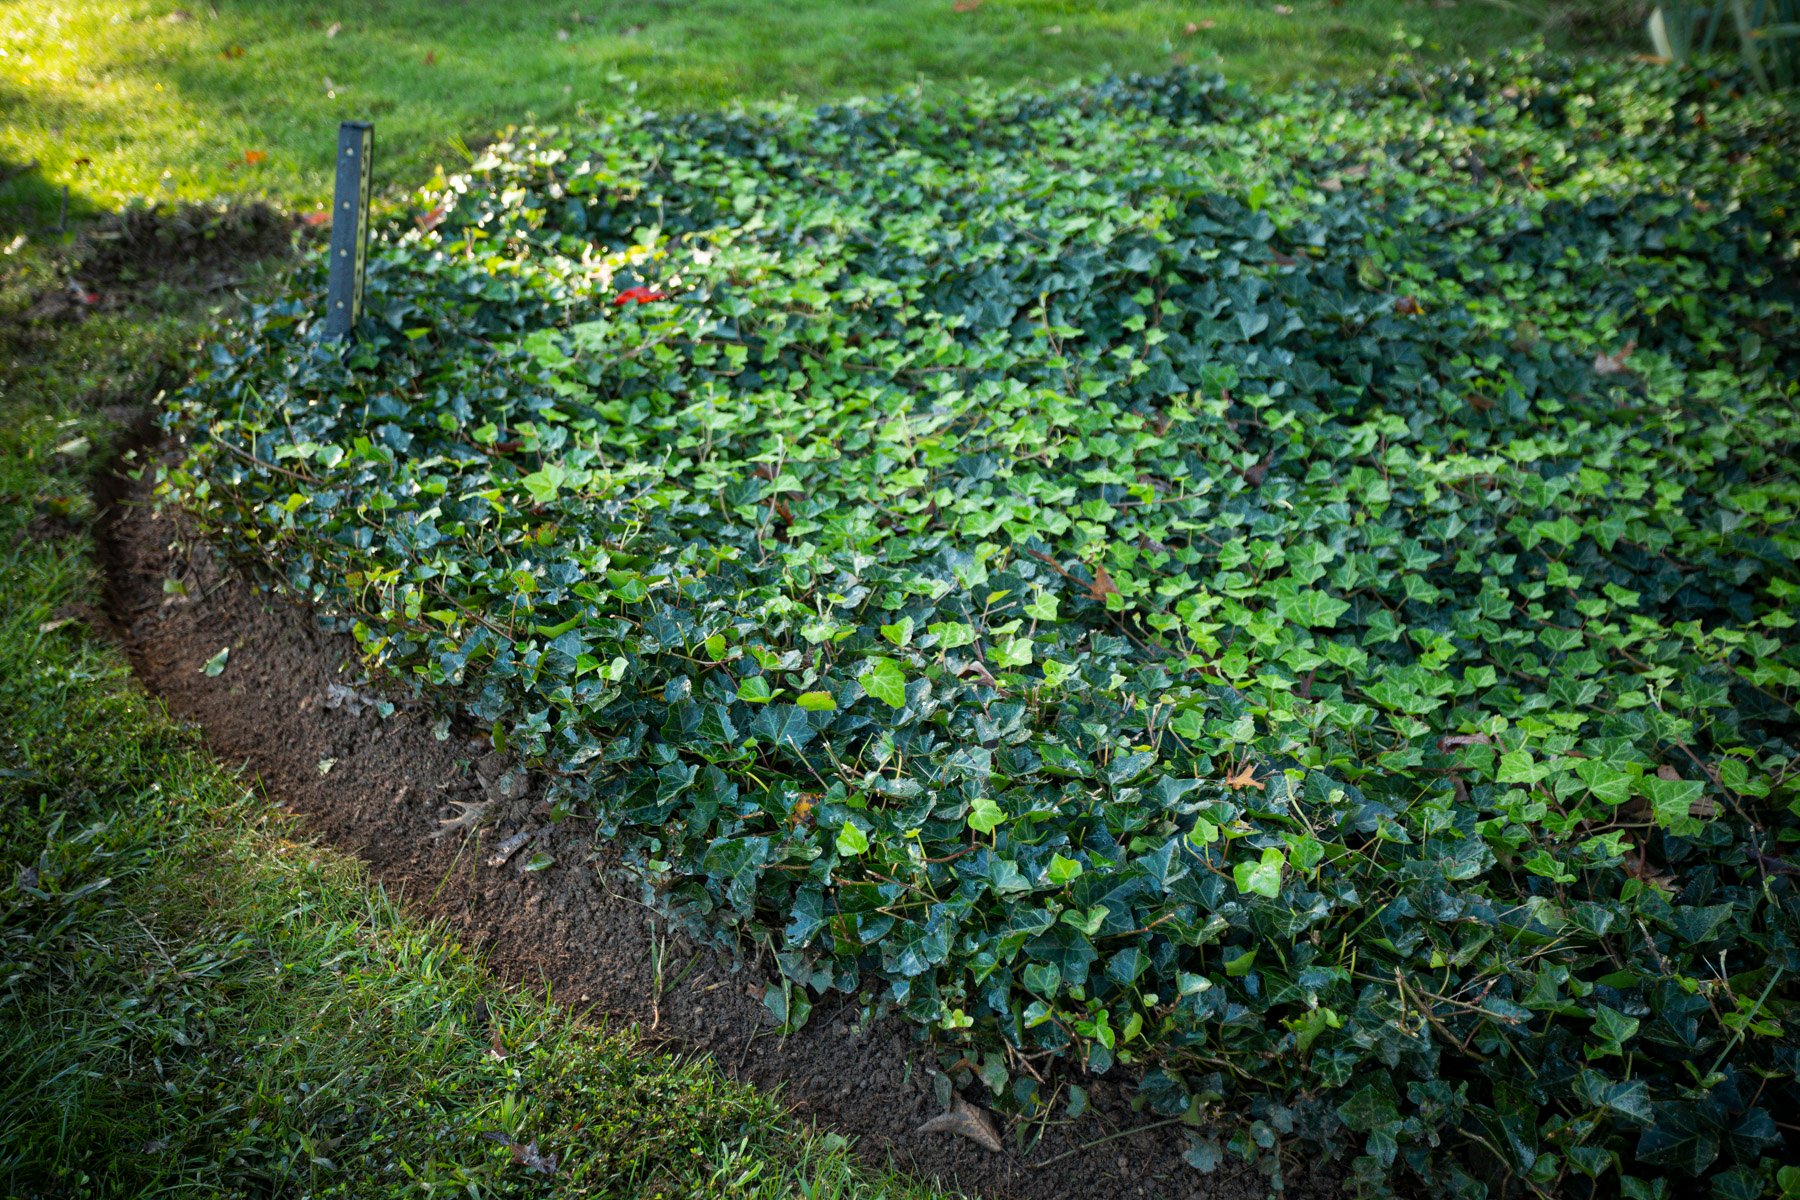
column 349, row 229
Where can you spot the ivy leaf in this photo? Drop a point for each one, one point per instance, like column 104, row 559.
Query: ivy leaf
column 784, row 725
column 1517, row 766
column 1014, row 652
column 814, row 701
column 985, row 816
column 1672, row 801
column 1608, row 783
column 545, row 483
column 1613, row 1029
column 851, row 840
column 215, row 665
column 1263, row 877
column 883, row 679
column 1062, row 870
column 951, row 635
column 1312, row 609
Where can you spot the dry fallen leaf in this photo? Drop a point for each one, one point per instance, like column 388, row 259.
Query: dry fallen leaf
column 526, row 1155
column 1244, row 778
column 1408, row 306
column 965, row 5
column 1464, row 739
column 233, row 52
column 1283, row 10
column 506, row 849
column 1103, row 585
column 255, row 156
column 431, row 58
column 331, row 30
column 1194, row 27
column 316, row 218
column 1614, row 364
column 965, row 1120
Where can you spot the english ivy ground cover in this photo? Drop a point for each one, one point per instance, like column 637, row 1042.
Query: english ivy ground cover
column 1286, row 598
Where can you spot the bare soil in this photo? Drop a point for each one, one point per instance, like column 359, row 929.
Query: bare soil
column 291, row 706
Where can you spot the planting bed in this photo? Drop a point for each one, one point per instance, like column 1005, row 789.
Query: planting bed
column 1273, row 610
column 290, row 706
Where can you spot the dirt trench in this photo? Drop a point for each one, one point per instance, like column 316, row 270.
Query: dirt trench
column 288, row 706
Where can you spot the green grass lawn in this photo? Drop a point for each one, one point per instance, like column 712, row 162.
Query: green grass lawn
column 117, row 98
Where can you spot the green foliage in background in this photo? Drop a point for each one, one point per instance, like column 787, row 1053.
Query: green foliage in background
column 1764, row 34
column 1285, row 599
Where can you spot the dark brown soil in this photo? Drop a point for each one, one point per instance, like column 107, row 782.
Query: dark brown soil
column 194, row 244
column 289, row 705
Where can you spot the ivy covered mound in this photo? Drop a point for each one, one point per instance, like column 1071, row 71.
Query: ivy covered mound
column 1289, row 599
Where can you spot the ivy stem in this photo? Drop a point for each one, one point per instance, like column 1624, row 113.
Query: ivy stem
column 1737, row 1035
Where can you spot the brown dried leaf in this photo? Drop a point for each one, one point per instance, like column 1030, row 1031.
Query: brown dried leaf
column 1614, row 364
column 965, row 1120
column 1244, row 777
column 1103, row 585
column 1253, row 475
column 1454, row 740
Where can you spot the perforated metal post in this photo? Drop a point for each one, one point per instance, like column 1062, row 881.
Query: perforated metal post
column 349, row 229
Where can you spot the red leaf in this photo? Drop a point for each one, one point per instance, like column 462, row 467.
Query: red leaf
column 638, row 295
column 255, row 156
column 1407, row 306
